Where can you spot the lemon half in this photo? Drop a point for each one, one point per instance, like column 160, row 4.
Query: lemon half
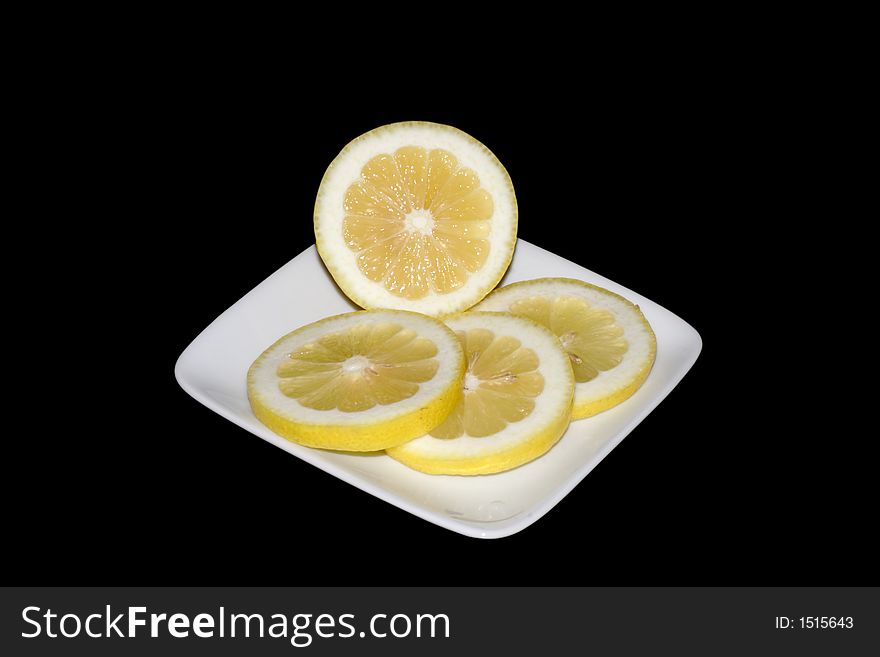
column 416, row 216
column 360, row 381
column 516, row 402
column 608, row 340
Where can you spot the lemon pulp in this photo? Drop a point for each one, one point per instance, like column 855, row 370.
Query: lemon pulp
column 357, row 369
column 418, row 221
column 593, row 340
column 499, row 387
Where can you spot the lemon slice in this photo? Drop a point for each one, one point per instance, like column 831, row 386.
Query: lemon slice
column 609, row 342
column 416, row 216
column 516, row 402
column 360, row 381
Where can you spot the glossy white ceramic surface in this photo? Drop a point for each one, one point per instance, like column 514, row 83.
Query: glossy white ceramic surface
column 212, row 369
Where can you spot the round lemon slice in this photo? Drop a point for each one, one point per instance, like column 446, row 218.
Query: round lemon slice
column 360, row 381
column 516, row 402
column 608, row 340
column 416, row 216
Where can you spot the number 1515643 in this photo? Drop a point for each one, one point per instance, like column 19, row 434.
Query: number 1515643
column 814, row 622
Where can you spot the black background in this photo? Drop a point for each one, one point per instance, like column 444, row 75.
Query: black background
column 191, row 186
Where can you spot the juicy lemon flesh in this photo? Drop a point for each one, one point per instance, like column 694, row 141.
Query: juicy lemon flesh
column 356, row 369
column 499, row 388
column 418, row 221
column 590, row 336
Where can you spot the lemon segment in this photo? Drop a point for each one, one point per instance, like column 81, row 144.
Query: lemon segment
column 516, row 399
column 417, row 216
column 360, row 381
column 608, row 340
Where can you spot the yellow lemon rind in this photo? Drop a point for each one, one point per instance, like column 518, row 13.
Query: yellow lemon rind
column 500, row 462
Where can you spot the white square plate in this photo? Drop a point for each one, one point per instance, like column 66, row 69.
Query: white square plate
column 213, row 368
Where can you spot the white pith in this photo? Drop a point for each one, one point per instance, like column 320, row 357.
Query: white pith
column 356, row 364
column 419, row 221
